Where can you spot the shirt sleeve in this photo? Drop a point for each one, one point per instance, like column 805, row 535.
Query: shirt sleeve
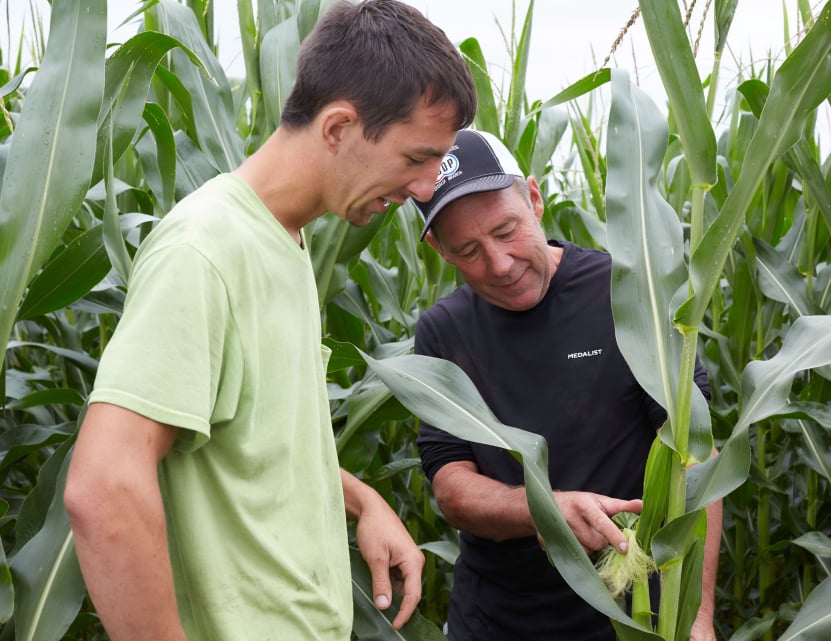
column 166, row 358
column 436, row 447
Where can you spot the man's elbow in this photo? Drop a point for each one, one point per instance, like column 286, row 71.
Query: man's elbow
column 84, row 497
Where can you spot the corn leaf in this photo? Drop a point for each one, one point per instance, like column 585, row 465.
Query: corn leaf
column 516, row 94
column 487, row 116
column 800, row 84
column 645, row 239
column 6, row 584
column 48, row 581
column 440, row 393
column 278, row 57
column 68, row 276
column 679, row 74
column 52, row 149
column 213, row 106
column 765, row 389
column 128, row 74
column 780, row 280
column 159, row 164
column 813, row 622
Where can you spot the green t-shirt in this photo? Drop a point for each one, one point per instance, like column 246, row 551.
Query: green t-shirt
column 221, row 337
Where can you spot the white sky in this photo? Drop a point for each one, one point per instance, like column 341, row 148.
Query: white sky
column 569, row 38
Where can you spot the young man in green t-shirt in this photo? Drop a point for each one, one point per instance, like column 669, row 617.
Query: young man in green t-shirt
column 204, row 492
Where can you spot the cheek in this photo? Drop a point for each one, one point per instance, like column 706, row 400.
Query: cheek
column 473, row 272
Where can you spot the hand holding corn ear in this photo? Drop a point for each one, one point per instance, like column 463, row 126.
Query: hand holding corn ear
column 589, row 517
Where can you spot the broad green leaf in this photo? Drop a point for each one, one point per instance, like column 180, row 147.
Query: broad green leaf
column 394, row 468
column 594, row 170
column 362, row 404
column 778, row 279
column 193, row 168
column 48, row 582
column 52, row 150
column 765, row 389
column 249, row 37
column 444, row 549
column 755, row 628
column 309, row 12
column 385, row 290
column 813, row 622
column 725, row 11
column 14, row 84
column 800, row 84
column 673, row 541
column 127, row 82
column 160, row 164
column 691, row 583
column 487, row 117
column 278, row 58
column 332, row 243
column 516, row 94
column 552, row 126
column 371, row 624
column 213, row 107
column 440, row 393
column 646, row 242
column 583, row 86
column 51, row 396
column 655, row 486
column 68, row 276
column 352, row 300
column 816, row 543
column 81, row 359
column 408, row 223
column 343, row 355
column 113, row 240
column 35, row 507
column 813, row 421
column 755, row 92
column 679, row 74
column 6, row 584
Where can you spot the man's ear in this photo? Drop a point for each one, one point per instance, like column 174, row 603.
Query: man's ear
column 336, row 121
column 536, row 197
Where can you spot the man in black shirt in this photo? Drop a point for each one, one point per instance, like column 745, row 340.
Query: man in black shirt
column 533, row 328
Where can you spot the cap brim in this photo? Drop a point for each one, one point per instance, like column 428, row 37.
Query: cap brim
column 493, row 182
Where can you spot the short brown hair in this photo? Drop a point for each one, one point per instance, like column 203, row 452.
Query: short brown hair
column 383, row 56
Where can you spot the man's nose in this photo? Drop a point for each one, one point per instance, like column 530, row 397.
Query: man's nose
column 421, row 187
column 499, row 262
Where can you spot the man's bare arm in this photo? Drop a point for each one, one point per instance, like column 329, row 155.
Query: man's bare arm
column 492, row 510
column 115, row 509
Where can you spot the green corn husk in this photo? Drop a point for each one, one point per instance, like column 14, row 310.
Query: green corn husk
column 619, row 571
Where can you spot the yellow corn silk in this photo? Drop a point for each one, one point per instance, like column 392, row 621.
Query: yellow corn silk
column 619, row 571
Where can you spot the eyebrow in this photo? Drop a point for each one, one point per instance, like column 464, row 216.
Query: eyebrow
column 426, row 151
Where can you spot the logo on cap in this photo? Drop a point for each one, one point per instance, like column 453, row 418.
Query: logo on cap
column 449, row 166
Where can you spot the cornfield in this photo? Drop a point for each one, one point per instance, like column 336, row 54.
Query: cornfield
column 718, row 225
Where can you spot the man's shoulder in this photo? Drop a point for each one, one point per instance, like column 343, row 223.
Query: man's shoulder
column 454, row 305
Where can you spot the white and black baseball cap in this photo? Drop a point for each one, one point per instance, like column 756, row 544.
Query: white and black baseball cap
column 477, row 161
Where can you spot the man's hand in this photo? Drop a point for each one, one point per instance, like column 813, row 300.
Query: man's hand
column 393, row 558
column 588, row 516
